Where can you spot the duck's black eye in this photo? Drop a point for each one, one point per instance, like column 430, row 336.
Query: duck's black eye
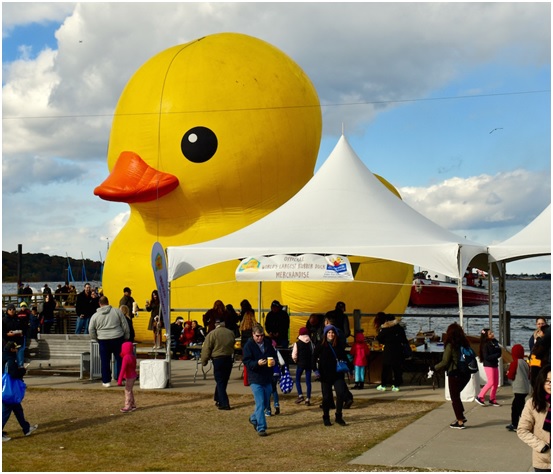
column 199, row 144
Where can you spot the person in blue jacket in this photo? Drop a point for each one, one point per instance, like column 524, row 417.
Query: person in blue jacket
column 259, row 357
column 9, row 360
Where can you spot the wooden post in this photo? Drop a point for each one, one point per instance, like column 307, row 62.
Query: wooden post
column 19, row 264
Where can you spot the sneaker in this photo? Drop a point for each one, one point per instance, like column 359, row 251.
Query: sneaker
column 457, row 426
column 307, row 402
column 5, row 438
column 300, row 399
column 511, row 428
column 327, row 422
column 395, row 389
column 381, row 388
column 133, row 408
column 125, row 410
column 267, row 413
column 262, row 433
column 493, row 403
column 348, row 404
column 106, row 385
column 31, row 429
column 480, row 401
column 277, row 410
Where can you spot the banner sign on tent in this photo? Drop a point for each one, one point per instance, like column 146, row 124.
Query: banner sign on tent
column 159, row 265
column 308, row 267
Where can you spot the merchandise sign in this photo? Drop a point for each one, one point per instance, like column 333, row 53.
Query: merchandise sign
column 308, row 267
column 159, row 265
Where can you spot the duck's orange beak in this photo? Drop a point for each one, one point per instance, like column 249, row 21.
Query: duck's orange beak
column 133, row 180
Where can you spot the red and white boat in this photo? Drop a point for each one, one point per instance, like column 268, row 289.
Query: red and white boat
column 428, row 291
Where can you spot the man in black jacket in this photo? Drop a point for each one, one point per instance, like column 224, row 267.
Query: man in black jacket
column 341, row 321
column 14, row 330
column 85, row 306
column 277, row 324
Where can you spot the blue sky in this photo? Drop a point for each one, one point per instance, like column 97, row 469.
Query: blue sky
column 417, row 87
column 34, row 35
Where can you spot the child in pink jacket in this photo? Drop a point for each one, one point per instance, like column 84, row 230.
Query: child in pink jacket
column 128, row 372
column 360, row 352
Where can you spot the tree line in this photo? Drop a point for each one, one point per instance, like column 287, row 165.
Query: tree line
column 42, row 267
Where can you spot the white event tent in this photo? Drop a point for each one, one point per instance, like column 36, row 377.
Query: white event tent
column 532, row 241
column 344, row 209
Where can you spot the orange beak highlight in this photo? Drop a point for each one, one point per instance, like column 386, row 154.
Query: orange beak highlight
column 133, row 180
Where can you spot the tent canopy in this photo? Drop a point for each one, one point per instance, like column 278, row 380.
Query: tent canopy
column 532, row 241
column 344, row 209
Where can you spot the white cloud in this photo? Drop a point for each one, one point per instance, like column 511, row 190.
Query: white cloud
column 482, row 201
column 353, row 53
column 17, row 13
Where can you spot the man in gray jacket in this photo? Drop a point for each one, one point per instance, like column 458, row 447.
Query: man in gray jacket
column 219, row 346
column 109, row 327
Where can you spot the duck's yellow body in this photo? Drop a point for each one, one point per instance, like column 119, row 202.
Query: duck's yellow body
column 207, row 138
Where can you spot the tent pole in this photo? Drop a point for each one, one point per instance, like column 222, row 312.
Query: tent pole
column 460, row 287
column 490, row 302
column 168, row 335
column 259, row 300
column 502, row 302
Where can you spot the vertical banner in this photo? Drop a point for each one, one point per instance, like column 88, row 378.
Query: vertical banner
column 159, row 265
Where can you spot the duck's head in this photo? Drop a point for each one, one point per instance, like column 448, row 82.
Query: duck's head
column 226, row 125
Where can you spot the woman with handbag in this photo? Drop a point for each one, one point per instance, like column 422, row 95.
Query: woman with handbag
column 15, row 374
column 329, row 357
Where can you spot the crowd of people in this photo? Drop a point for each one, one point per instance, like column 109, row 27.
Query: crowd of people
column 320, row 351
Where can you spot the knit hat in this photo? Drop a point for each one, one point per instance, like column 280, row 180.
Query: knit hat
column 328, row 328
column 276, row 303
column 10, row 306
column 23, row 304
column 304, row 331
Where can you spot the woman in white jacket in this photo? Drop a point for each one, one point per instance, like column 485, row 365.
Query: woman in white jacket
column 534, row 426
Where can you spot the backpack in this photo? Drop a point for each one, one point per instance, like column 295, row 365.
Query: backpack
column 467, row 363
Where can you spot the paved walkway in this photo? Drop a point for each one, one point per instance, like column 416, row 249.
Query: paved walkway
column 429, row 442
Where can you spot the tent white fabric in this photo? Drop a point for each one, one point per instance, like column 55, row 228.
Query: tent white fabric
column 532, row 241
column 344, row 209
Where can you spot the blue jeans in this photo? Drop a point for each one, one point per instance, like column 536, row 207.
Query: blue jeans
column 82, row 323
column 299, row 372
column 21, row 353
column 262, row 398
column 222, row 367
column 17, row 409
column 359, row 374
column 274, row 393
column 108, row 347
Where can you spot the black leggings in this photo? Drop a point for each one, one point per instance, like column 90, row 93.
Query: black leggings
column 517, row 407
column 326, row 389
column 386, row 378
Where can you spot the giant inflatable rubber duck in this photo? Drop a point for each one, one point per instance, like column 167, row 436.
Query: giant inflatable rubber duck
column 207, row 138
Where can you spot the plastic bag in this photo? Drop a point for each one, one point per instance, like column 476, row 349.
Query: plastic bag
column 280, row 358
column 285, row 383
column 13, row 390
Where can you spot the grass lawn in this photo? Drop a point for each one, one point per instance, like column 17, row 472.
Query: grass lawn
column 83, row 430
